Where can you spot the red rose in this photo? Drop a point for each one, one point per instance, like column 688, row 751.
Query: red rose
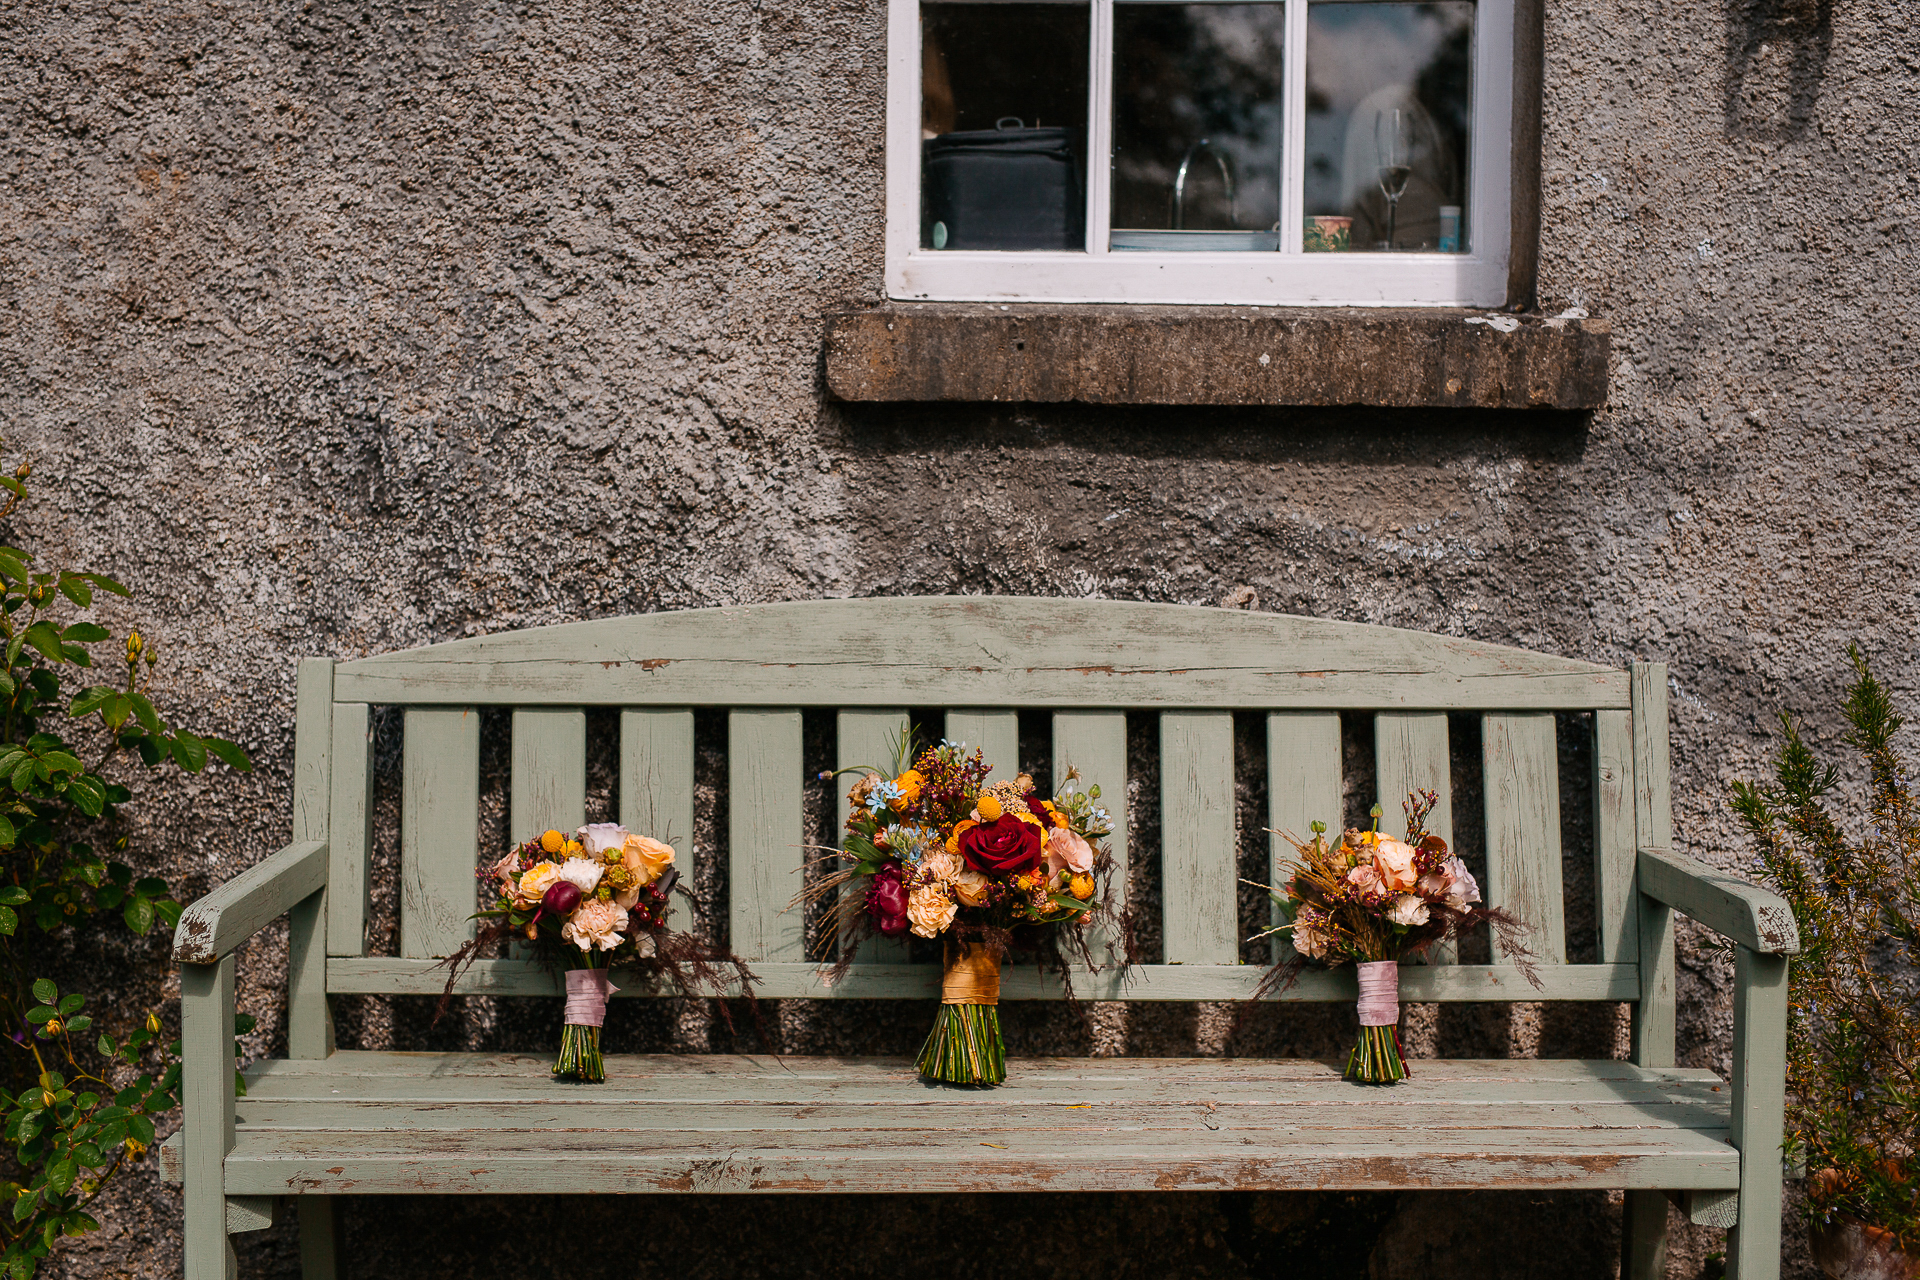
column 1003, row 847
column 1038, row 808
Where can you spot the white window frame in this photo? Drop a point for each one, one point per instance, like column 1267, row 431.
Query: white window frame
column 1289, row 277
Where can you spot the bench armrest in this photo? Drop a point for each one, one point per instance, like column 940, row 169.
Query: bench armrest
column 1744, row 913
column 215, row 926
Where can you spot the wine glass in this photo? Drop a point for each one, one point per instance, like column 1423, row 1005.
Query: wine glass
column 1393, row 149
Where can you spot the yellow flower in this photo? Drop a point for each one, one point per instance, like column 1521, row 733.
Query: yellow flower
column 910, row 784
column 572, row 849
column 646, row 858
column 552, row 842
column 153, row 1023
column 1023, row 883
column 1082, row 887
column 136, row 1148
column 989, row 809
column 535, row 882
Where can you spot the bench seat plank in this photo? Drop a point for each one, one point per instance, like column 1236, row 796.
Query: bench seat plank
column 385, row 1122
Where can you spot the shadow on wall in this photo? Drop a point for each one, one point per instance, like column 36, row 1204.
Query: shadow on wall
column 1776, row 61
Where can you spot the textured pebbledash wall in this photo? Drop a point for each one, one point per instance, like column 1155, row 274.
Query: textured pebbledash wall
column 336, row 328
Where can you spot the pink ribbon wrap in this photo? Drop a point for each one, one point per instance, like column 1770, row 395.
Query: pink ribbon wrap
column 1379, row 993
column 587, row 992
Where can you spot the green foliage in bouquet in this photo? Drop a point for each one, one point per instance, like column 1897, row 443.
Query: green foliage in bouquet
column 76, row 1111
column 1853, row 1047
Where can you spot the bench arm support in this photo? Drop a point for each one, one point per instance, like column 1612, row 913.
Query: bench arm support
column 214, row 926
column 1741, row 912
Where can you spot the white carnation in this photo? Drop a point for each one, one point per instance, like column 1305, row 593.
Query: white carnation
column 583, row 873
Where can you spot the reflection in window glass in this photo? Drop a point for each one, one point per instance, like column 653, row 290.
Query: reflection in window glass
column 1389, row 103
column 1003, row 118
column 1197, row 129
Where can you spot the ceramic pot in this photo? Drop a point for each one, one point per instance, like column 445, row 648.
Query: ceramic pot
column 1849, row 1250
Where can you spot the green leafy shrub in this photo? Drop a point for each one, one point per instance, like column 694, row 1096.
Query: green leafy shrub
column 77, row 1111
column 1853, row 1048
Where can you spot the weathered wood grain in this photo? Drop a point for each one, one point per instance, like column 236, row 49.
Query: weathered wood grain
column 981, row 651
column 549, row 771
column 1759, row 1109
column 868, row 740
column 656, row 789
column 789, row 980
column 764, row 833
column 1095, row 743
column 1654, row 1014
column 1198, row 849
column 1303, row 787
column 206, row 1100
column 309, row 1026
column 439, row 829
column 1410, row 753
column 996, row 734
column 350, row 830
column 215, row 925
column 1614, row 847
column 1739, row 911
column 1522, row 797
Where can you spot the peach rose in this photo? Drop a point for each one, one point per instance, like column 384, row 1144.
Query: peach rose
column 971, row 888
column 1393, row 859
column 1365, row 881
column 646, row 858
column 504, row 870
column 1069, row 851
column 930, row 910
column 941, row 866
column 535, row 882
column 595, row 923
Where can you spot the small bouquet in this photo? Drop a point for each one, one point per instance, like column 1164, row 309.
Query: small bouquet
column 1375, row 901
column 588, row 902
column 937, row 852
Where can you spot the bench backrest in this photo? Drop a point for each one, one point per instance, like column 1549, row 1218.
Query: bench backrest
column 984, row 659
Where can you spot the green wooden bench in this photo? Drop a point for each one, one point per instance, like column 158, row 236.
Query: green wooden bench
column 325, row 1123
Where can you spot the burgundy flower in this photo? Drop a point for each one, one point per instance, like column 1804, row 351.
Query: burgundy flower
column 887, row 901
column 560, row 899
column 1004, row 847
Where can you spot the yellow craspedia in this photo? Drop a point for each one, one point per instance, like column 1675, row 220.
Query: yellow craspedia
column 1082, row 887
column 989, row 809
column 552, row 842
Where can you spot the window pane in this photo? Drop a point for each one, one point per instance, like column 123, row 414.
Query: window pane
column 1197, row 128
column 1389, row 105
column 1003, row 118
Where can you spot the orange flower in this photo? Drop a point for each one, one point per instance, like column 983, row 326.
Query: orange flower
column 960, row 828
column 910, row 784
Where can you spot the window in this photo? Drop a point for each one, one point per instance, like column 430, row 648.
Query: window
column 1339, row 152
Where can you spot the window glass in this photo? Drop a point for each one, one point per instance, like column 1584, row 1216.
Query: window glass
column 1197, row 126
column 1389, row 104
column 1003, row 125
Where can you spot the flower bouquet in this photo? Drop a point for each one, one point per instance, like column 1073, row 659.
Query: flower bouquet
column 937, row 852
column 1376, row 901
column 588, row 902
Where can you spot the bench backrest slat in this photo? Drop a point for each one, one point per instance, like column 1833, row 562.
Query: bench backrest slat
column 1522, row 797
column 1411, row 753
column 1304, row 784
column 1613, row 841
column 1197, row 839
column 350, row 830
column 993, row 732
column 439, row 830
column 656, row 784
column 765, row 832
column 1095, row 743
column 549, row 771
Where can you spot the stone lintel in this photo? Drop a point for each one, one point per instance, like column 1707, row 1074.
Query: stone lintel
column 1101, row 354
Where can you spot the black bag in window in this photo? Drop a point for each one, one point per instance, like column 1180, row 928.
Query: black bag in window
column 1002, row 189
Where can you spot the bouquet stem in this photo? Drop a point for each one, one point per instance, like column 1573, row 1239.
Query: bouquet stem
column 965, row 1046
column 586, row 1011
column 1376, row 1058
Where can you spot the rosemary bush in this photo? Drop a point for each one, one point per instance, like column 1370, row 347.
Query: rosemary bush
column 1853, row 1049
column 80, row 1102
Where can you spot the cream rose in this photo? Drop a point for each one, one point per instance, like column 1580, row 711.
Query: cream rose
column 941, row 866
column 1393, row 859
column 930, row 910
column 1409, row 910
column 598, row 837
column 1069, row 850
column 538, row 878
column 971, row 888
column 595, row 924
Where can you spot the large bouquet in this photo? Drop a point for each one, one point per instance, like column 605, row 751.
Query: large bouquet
column 586, row 903
column 1376, row 901
column 936, row 852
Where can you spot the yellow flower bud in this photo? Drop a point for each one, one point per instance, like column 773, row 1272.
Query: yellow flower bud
column 136, row 1148
column 153, row 1023
column 46, row 1097
column 552, row 842
column 134, row 645
column 53, row 1026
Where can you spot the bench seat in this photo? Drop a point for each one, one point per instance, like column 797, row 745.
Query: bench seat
column 409, row 1123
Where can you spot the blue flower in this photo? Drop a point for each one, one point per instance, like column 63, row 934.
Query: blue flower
column 879, row 797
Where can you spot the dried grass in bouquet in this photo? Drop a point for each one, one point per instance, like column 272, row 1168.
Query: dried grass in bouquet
column 991, row 870
column 1377, row 901
column 588, row 903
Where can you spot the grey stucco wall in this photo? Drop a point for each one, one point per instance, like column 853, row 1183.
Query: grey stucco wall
column 338, row 328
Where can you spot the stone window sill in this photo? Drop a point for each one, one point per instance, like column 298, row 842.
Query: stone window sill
column 1391, row 358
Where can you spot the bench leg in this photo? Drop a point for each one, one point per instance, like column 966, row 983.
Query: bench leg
column 1759, row 1104
column 1643, row 1236
column 206, row 1044
column 320, row 1251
